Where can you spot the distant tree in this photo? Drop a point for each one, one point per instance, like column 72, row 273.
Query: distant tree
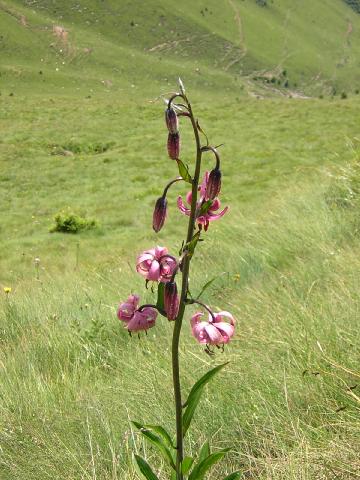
column 354, row 4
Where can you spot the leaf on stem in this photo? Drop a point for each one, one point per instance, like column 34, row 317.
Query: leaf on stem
column 202, row 131
column 233, row 476
column 157, row 441
column 201, row 468
column 190, row 247
column 204, row 208
column 204, row 451
column 195, row 395
column 184, row 171
column 144, row 468
column 207, row 284
column 186, row 464
column 181, row 86
column 160, row 296
column 163, row 434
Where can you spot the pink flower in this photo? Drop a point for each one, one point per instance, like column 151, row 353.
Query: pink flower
column 156, row 264
column 211, row 214
column 213, row 331
column 134, row 319
column 127, row 309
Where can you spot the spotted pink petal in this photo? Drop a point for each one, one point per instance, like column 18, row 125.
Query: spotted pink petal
column 214, row 334
column 215, row 216
column 154, row 271
column 160, row 251
column 199, row 332
column 142, row 320
column 219, row 317
column 225, row 329
column 189, row 197
column 182, row 208
column 204, row 185
column 126, row 310
column 215, row 205
column 195, row 319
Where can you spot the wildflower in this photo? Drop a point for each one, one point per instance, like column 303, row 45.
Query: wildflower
column 156, row 265
column 210, row 214
column 171, row 300
column 127, row 309
column 215, row 330
column 136, row 320
column 7, row 290
column 159, row 214
column 173, row 145
column 171, row 119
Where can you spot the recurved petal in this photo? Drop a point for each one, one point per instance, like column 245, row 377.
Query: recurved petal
column 195, row 319
column 215, row 216
column 214, row 335
column 226, row 330
column 182, row 207
column 200, row 333
column 219, row 317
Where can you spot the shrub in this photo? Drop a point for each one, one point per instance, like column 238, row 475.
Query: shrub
column 343, row 95
column 69, row 222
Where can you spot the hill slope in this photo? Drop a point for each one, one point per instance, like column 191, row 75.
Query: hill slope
column 307, row 46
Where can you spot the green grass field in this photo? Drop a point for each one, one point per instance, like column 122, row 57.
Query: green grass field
column 88, row 134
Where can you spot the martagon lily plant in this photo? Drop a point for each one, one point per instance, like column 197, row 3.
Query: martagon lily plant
column 208, row 328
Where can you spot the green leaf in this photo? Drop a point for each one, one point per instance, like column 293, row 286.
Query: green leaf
column 163, row 434
column 204, row 208
column 190, row 247
column 157, row 441
column 207, row 285
column 204, row 451
column 233, row 476
column 144, row 468
column 186, row 465
column 201, row 468
column 184, row 171
column 195, row 394
column 160, row 296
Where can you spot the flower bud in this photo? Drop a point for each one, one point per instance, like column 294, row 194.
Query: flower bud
column 173, row 145
column 214, row 184
column 159, row 214
column 171, row 119
column 171, row 300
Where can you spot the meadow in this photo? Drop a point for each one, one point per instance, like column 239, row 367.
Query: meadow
column 288, row 251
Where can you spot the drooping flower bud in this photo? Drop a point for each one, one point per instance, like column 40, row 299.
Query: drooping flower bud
column 171, row 300
column 214, row 184
column 171, row 120
column 173, row 145
column 159, row 214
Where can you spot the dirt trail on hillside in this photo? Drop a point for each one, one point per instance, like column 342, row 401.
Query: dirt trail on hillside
column 241, row 35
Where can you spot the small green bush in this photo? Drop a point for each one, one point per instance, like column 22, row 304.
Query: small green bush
column 69, row 222
column 343, row 95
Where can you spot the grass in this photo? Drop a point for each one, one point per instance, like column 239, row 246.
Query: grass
column 71, row 379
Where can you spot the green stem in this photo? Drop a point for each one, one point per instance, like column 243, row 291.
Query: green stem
column 179, row 319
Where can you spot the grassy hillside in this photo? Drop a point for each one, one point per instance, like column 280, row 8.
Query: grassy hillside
column 81, row 129
column 122, row 47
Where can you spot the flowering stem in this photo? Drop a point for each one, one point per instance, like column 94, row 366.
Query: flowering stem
column 191, row 301
column 184, row 289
